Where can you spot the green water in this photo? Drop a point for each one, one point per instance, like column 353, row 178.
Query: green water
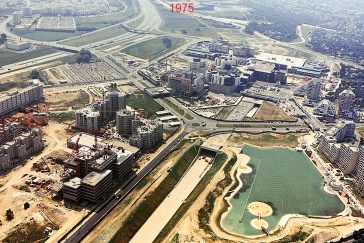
column 288, row 181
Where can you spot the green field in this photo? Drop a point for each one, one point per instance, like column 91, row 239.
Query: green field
column 287, row 181
column 98, row 22
column 9, row 57
column 225, row 112
column 183, row 23
column 153, row 48
column 95, row 36
column 136, row 23
column 45, row 35
column 145, row 102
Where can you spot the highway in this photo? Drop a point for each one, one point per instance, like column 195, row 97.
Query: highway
column 151, row 22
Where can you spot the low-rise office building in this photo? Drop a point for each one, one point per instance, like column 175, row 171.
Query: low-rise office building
column 96, row 186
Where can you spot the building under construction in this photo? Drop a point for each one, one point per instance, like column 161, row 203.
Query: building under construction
column 91, row 118
column 86, row 160
column 20, row 148
column 91, row 160
column 93, row 187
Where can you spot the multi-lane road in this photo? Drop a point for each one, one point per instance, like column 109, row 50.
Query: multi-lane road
column 151, row 23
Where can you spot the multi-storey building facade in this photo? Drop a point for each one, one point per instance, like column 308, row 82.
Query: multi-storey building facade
column 14, row 100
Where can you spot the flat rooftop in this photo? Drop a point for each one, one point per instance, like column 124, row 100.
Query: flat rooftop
column 157, row 91
column 168, row 118
column 280, row 59
column 123, row 144
column 163, row 113
column 93, row 178
column 86, row 140
column 212, row 147
column 264, row 67
column 73, row 183
column 123, row 155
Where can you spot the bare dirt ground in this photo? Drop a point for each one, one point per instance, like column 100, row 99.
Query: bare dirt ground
column 270, row 111
column 62, row 101
column 43, row 211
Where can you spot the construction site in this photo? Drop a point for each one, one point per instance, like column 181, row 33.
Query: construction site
column 48, row 182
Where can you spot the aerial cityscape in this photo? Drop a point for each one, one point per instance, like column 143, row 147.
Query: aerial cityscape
column 181, row 121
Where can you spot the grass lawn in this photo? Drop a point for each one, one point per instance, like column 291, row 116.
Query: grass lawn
column 145, row 209
column 263, row 140
column 145, row 102
column 183, row 24
column 218, row 163
column 178, row 109
column 137, row 22
column 224, row 113
column 9, row 57
column 271, row 112
column 98, row 22
column 153, row 48
column 95, row 36
column 45, row 35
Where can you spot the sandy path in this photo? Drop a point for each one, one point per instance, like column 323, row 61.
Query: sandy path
column 106, row 229
column 155, row 224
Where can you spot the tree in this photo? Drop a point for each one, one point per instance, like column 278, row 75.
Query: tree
column 84, row 56
column 26, row 205
column 9, row 215
column 3, row 38
column 35, row 74
column 167, row 42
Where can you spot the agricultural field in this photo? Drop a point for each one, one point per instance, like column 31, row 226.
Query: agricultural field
column 153, row 48
column 183, row 24
column 46, row 35
column 95, row 36
column 98, row 22
column 9, row 57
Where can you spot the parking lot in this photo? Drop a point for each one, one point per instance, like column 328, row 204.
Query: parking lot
column 89, row 73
